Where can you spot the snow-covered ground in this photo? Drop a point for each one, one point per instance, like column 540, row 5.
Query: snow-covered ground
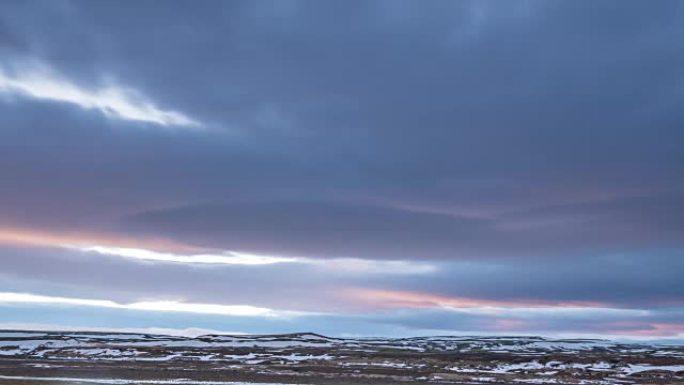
column 15, row 343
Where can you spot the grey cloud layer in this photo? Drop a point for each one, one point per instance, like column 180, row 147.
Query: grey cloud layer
column 483, row 111
column 522, row 143
column 648, row 279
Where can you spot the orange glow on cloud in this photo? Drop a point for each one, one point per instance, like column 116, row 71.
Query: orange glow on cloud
column 28, row 237
column 505, row 324
column 408, row 299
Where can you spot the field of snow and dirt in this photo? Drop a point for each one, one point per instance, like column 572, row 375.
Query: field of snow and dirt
column 107, row 358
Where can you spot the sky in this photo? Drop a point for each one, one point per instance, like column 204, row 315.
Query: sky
column 388, row 168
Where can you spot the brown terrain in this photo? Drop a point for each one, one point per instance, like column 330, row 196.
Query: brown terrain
column 33, row 358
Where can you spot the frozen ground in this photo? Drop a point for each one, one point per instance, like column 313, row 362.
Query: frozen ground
column 28, row 358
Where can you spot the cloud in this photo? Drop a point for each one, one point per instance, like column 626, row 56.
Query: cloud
column 35, row 237
column 646, row 279
column 643, row 278
column 525, row 155
column 316, row 229
column 151, row 306
column 229, row 258
column 113, row 100
column 407, row 299
column 340, row 265
column 330, row 229
column 187, row 332
column 170, row 251
column 488, row 153
column 563, row 321
column 566, row 322
column 375, row 267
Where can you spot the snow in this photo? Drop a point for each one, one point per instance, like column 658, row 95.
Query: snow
column 643, row 367
column 11, row 352
column 298, row 357
column 536, row 380
column 44, row 366
column 535, row 365
column 522, row 345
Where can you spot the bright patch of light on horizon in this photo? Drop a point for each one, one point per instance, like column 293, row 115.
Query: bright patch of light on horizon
column 191, row 332
column 114, row 101
column 340, row 265
column 230, row 258
column 153, row 306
